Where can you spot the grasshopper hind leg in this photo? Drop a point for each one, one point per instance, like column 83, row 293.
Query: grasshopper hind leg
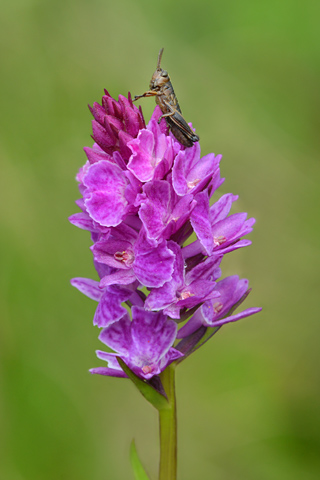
column 165, row 115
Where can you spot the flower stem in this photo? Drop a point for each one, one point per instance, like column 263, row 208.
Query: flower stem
column 168, row 428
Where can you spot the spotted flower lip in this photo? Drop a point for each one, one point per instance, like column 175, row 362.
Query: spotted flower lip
column 144, row 343
column 133, row 257
column 158, row 241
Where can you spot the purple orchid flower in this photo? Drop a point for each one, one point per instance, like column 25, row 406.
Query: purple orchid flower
column 152, row 153
column 143, row 195
column 133, row 258
column 162, row 211
column 143, row 343
column 108, row 192
column 190, row 173
column 217, row 233
column 185, row 290
column 215, row 313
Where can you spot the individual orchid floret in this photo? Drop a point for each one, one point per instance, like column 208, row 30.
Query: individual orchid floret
column 162, row 211
column 185, row 290
column 217, row 232
column 190, row 173
column 216, row 312
column 143, row 343
column 133, row 257
column 105, row 193
column 152, row 153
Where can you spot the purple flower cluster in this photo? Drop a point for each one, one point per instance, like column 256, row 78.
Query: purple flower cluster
column 143, row 196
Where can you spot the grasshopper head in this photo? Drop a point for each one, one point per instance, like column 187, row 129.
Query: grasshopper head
column 159, row 78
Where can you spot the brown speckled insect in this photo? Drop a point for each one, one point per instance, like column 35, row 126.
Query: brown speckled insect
column 162, row 89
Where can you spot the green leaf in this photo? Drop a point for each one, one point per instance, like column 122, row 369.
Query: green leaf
column 138, row 470
column 156, row 399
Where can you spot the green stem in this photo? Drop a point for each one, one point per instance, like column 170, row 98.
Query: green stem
column 168, row 428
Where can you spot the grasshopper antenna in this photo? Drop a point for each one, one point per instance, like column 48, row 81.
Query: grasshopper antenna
column 159, row 58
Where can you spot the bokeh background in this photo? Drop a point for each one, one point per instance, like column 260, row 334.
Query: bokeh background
column 247, row 76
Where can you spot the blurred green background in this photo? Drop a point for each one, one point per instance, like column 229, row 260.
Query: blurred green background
column 247, row 76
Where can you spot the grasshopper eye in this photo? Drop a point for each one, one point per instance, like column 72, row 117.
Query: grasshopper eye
column 164, row 73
